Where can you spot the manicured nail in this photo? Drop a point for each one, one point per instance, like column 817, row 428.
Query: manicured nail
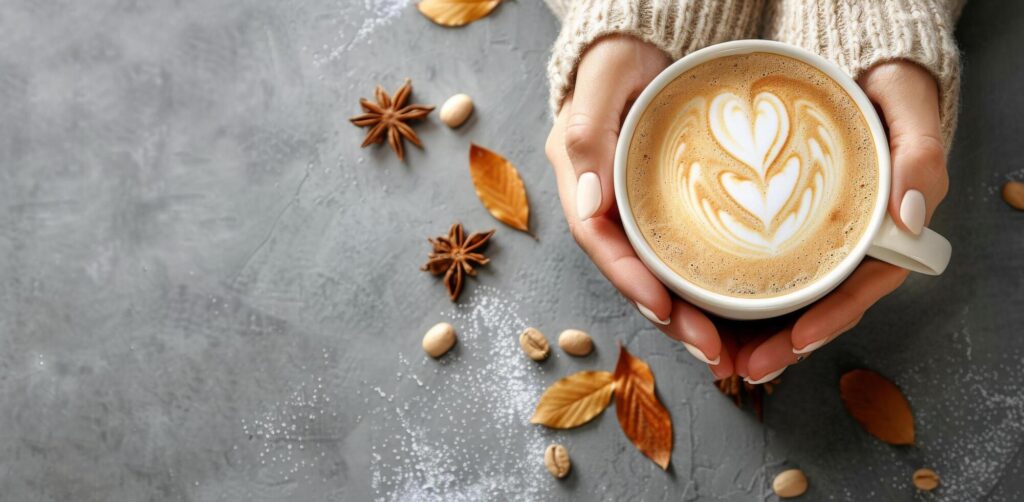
column 811, row 347
column 767, row 378
column 588, row 196
column 649, row 314
column 912, row 211
column 701, row 356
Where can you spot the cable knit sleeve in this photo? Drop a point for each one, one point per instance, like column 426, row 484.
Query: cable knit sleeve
column 677, row 27
column 857, row 34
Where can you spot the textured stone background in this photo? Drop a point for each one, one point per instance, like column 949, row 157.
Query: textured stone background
column 209, row 292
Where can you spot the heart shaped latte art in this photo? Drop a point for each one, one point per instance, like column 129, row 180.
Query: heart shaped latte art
column 755, row 141
column 765, row 199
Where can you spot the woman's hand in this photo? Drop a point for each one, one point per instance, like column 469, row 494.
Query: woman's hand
column 581, row 148
column 908, row 100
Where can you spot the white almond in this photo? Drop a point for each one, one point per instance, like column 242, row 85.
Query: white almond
column 1013, row 194
column 790, row 483
column 439, row 339
column 575, row 342
column 456, row 110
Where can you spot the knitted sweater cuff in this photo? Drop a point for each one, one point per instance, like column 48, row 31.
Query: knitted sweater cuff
column 859, row 35
column 677, row 27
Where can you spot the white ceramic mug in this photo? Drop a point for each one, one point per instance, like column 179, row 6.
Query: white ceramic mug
column 927, row 253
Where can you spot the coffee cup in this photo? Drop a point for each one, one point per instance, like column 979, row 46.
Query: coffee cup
column 834, row 173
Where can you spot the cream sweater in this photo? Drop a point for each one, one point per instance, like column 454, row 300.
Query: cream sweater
column 854, row 34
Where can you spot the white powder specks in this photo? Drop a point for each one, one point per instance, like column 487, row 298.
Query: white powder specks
column 376, row 14
column 463, row 432
column 994, row 187
column 295, row 435
column 380, row 13
column 985, row 408
column 964, row 335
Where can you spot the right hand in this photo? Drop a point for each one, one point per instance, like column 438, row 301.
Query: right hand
column 581, row 148
column 907, row 97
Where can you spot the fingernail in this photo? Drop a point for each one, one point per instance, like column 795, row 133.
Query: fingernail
column 811, row 347
column 701, row 356
column 649, row 314
column 912, row 211
column 588, row 196
column 767, row 378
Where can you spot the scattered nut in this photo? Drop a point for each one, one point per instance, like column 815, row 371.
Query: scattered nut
column 1013, row 194
column 790, row 483
column 439, row 339
column 456, row 110
column 556, row 459
column 926, row 479
column 534, row 344
column 575, row 342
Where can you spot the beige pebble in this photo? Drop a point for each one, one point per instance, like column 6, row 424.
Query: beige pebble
column 556, row 459
column 439, row 339
column 790, row 483
column 456, row 110
column 575, row 342
column 534, row 344
column 926, row 479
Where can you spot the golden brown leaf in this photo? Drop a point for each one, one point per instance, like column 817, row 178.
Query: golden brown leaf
column 642, row 417
column 456, row 12
column 878, row 405
column 499, row 187
column 574, row 400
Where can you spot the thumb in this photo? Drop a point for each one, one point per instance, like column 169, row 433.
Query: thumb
column 611, row 74
column 908, row 98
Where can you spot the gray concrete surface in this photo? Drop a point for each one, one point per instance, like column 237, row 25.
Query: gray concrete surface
column 208, row 291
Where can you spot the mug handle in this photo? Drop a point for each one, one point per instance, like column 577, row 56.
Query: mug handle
column 927, row 253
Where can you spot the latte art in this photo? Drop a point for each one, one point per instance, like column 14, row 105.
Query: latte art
column 752, row 175
column 754, row 141
column 781, row 194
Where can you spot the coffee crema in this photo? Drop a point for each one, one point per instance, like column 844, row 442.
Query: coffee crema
column 752, row 175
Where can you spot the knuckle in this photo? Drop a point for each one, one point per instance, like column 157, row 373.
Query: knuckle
column 619, row 261
column 921, row 151
column 579, row 137
column 924, row 156
column 583, row 135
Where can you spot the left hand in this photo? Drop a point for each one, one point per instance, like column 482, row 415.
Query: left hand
column 907, row 98
column 581, row 147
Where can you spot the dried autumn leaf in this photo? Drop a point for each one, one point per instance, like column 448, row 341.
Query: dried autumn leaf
column 499, row 187
column 456, row 12
column 878, row 405
column 574, row 400
column 642, row 417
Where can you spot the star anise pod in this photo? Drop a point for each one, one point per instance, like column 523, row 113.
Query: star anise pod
column 455, row 255
column 388, row 117
column 741, row 391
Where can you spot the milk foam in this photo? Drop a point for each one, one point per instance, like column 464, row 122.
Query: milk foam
column 770, row 189
column 752, row 175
